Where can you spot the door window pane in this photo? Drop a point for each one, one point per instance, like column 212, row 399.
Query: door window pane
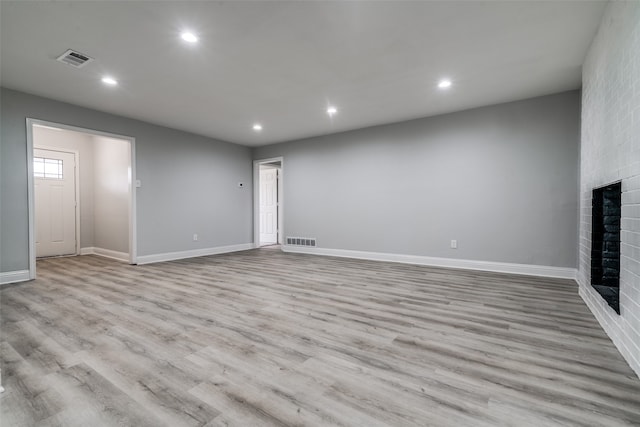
column 47, row 168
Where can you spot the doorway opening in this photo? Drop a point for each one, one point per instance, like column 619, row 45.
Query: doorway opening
column 57, row 216
column 81, row 197
column 268, row 201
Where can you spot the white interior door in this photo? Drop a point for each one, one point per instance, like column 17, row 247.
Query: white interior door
column 55, row 202
column 268, row 206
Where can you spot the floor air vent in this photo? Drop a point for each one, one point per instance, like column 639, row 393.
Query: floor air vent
column 301, row 241
column 75, row 59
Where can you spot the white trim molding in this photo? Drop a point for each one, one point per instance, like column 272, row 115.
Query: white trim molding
column 465, row 264
column 87, row 251
column 14, row 276
column 107, row 253
column 172, row 256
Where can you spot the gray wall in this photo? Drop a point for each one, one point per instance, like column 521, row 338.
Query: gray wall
column 189, row 181
column 501, row 180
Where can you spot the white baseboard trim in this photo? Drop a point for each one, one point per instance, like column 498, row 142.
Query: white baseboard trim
column 107, row 253
column 496, row 267
column 87, row 251
column 14, row 276
column 172, row 256
column 615, row 333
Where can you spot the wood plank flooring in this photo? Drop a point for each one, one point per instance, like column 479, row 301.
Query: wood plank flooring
column 263, row 338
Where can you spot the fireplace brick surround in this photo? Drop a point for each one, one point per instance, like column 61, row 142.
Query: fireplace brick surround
column 610, row 153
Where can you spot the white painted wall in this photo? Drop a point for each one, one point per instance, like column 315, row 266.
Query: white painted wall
column 111, row 161
column 610, row 151
column 83, row 144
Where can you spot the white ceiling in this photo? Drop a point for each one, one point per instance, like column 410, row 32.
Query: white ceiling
column 282, row 63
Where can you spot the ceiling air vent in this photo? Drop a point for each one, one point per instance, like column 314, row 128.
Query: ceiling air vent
column 74, row 58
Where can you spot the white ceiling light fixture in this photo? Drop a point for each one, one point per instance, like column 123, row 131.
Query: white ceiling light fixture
column 257, row 127
column 444, row 84
column 189, row 37
column 109, row 81
column 331, row 111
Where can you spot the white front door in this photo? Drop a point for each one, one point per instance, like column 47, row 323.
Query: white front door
column 268, row 206
column 55, row 202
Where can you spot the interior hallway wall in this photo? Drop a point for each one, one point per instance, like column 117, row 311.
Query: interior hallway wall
column 112, row 160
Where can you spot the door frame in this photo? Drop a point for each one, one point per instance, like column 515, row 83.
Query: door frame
column 256, row 199
column 30, row 186
column 76, row 155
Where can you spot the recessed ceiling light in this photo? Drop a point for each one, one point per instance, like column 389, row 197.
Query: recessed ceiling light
column 332, row 110
column 257, row 127
column 444, row 84
column 189, row 37
column 109, row 81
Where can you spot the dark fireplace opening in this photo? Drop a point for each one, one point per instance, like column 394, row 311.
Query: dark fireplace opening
column 605, row 243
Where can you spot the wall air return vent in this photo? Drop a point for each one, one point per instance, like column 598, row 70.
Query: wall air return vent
column 301, row 241
column 75, row 59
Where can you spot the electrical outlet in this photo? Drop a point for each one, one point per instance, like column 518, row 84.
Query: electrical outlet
column 195, row 237
column 454, row 244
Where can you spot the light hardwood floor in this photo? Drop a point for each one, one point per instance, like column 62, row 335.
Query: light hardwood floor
column 261, row 338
